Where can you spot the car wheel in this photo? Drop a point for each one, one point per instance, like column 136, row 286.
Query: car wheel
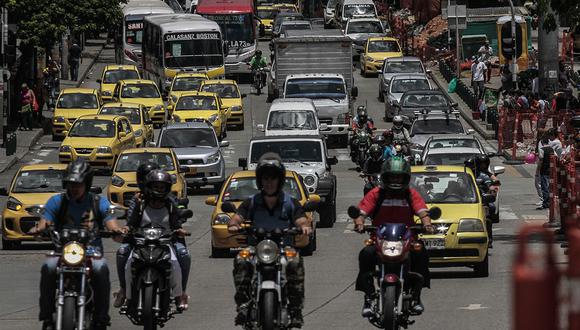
column 309, row 249
column 482, row 269
column 219, row 253
column 11, row 245
column 327, row 213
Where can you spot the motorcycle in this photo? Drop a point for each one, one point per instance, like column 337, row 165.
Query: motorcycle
column 397, row 284
column 489, row 190
column 360, row 145
column 259, row 79
column 371, row 181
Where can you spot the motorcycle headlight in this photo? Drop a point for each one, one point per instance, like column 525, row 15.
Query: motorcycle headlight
column 213, row 158
column 221, row 219
column 117, row 181
column 152, row 233
column 267, row 251
column 470, row 226
column 213, row 118
column 138, row 133
column 392, row 249
column 64, row 149
column 58, row 120
column 73, row 253
column 13, row 204
column 104, row 150
column 309, row 180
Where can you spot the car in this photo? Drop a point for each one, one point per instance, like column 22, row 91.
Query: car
column 123, row 184
column 398, row 65
column 435, row 123
column 282, row 17
column 141, row 124
column 196, row 146
column 451, row 149
column 143, row 92
column 400, row 84
column 361, row 29
column 229, row 92
column 288, row 25
column 267, row 13
column 421, row 100
column 308, row 156
column 286, row 7
column 241, row 185
column 99, row 139
column 376, row 50
column 460, row 237
column 31, row 185
column 204, row 105
column 73, row 103
column 185, row 82
column 112, row 74
column 292, row 117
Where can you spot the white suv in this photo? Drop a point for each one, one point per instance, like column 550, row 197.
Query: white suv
column 292, row 117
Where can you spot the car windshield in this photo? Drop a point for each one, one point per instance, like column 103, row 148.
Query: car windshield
column 112, row 76
column 286, row 8
column 239, row 189
column 187, row 83
column 404, row 85
column 196, row 103
column 130, row 113
column 382, row 46
column 292, row 120
column 404, row 67
column 130, row 162
column 78, row 101
column 453, row 143
column 445, row 187
column 225, row 91
column 364, row 27
column 314, row 88
column 188, row 137
column 290, row 151
column 267, row 13
column 359, row 10
column 93, row 128
column 39, row 181
column 424, row 101
column 448, row 158
column 145, row 91
column 201, row 49
column 437, row 126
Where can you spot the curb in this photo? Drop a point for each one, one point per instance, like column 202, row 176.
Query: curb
column 13, row 159
column 92, row 62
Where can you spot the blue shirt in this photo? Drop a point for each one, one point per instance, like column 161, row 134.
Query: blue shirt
column 389, row 152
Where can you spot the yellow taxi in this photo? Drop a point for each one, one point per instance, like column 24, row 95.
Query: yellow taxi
column 267, row 13
column 377, row 49
column 460, row 237
column 99, row 139
column 138, row 118
column 142, row 92
column 237, row 188
column 229, row 92
column 73, row 103
column 112, row 74
column 185, row 82
column 31, row 185
column 286, row 7
column 123, row 184
column 203, row 105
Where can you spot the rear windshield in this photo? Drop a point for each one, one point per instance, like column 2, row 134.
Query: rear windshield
column 437, row 126
column 112, row 76
column 448, row 158
column 241, row 188
column 130, row 113
column 404, row 67
column 226, row 91
column 130, row 162
column 289, row 151
column 145, row 91
column 93, row 128
column 78, row 101
column 292, row 120
column 427, row 100
column 187, row 83
column 405, row 85
column 196, row 103
column 187, row 138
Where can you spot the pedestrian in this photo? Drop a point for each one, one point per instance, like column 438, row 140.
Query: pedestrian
column 543, row 170
column 51, row 82
column 485, row 54
column 478, row 70
column 74, row 60
column 506, row 77
column 26, row 107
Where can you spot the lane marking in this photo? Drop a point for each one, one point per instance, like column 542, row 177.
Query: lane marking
column 473, row 307
column 342, row 218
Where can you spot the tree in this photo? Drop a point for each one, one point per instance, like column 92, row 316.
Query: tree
column 567, row 9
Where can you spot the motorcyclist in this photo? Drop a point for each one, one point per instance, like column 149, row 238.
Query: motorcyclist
column 76, row 208
column 388, row 148
column 361, row 121
column 156, row 208
column 400, row 133
column 359, row 109
column 374, row 163
column 124, row 251
column 392, row 201
column 258, row 62
column 269, row 209
column 489, row 184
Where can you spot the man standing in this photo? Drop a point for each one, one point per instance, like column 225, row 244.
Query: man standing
column 485, row 53
column 478, row 70
column 74, row 60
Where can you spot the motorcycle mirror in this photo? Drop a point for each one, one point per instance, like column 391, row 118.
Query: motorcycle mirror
column 183, row 202
column 185, row 214
column 434, row 213
column 353, row 212
column 35, row 210
column 229, row 207
column 96, row 190
column 488, row 198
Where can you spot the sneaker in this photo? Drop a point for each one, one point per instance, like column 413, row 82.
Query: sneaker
column 243, row 315
column 182, row 302
column 296, row 319
column 541, row 207
column 48, row 325
column 119, row 297
column 367, row 310
column 540, row 203
column 418, row 308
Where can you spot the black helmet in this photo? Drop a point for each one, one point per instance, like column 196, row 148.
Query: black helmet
column 398, row 121
column 482, row 162
column 360, row 109
column 78, row 171
column 142, row 172
column 376, row 152
column 363, row 116
column 380, row 140
column 392, row 167
column 158, row 176
column 258, row 53
column 270, row 164
column 470, row 163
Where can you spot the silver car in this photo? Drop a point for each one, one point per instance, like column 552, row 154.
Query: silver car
column 400, row 84
column 435, row 123
column 196, row 146
column 398, row 65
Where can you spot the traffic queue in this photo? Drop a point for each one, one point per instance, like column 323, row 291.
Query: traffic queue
column 429, row 191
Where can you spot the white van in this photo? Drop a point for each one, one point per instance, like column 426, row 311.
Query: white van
column 347, row 9
column 292, row 117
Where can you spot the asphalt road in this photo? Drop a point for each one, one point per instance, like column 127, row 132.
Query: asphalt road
column 456, row 301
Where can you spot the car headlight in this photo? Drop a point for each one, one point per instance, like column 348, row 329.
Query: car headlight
column 174, row 98
column 236, row 108
column 13, row 204
column 213, row 118
column 470, row 226
column 152, row 233
column 138, row 132
column 221, row 219
column 64, row 149
column 107, row 93
column 58, row 119
column 309, row 180
column 117, row 181
column 213, row 158
column 158, row 107
column 73, row 253
column 104, row 150
column 267, row 251
column 392, row 249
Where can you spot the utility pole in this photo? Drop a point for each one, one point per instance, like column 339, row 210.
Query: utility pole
column 3, row 84
column 548, row 58
column 514, row 66
column 64, row 57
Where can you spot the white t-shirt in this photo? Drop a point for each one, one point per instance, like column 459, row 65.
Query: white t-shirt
column 478, row 71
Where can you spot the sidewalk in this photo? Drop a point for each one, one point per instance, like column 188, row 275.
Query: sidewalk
column 26, row 139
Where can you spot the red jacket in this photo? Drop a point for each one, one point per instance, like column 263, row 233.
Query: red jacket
column 392, row 210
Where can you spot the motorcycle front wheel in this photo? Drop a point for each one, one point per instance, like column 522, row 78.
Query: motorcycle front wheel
column 148, row 317
column 269, row 310
column 390, row 321
column 69, row 313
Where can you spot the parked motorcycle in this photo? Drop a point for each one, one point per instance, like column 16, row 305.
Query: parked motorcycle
column 397, row 284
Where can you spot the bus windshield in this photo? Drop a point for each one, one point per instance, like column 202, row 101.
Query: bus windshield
column 193, row 49
column 237, row 29
column 134, row 31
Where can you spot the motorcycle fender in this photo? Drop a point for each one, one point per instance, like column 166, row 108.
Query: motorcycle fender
column 150, row 276
column 270, row 285
column 391, row 279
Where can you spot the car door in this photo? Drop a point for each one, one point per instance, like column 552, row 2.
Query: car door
column 116, row 93
column 225, row 112
column 147, row 124
column 129, row 141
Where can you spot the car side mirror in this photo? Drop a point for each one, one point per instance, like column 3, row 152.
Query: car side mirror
column 224, row 144
column 428, row 71
column 487, row 198
column 412, row 134
column 122, row 135
column 96, row 190
column 470, row 131
column 354, row 92
column 349, row 129
column 65, row 132
column 183, row 169
column 229, row 207
column 149, row 122
column 170, row 107
column 243, row 163
column 498, row 170
column 211, row 201
column 185, row 213
column 332, row 160
column 358, row 169
column 262, row 30
column 3, row 191
column 434, row 213
column 310, row 206
column 260, row 127
column 244, row 95
column 314, row 198
column 491, row 154
column 173, row 179
column 99, row 81
column 164, row 97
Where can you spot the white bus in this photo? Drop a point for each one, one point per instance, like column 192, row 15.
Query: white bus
column 130, row 34
column 181, row 43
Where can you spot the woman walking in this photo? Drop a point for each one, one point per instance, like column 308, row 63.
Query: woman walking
column 27, row 99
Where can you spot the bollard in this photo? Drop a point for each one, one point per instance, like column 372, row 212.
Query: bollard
column 573, row 273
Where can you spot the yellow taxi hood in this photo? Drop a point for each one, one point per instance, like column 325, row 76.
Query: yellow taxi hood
column 455, row 212
column 232, row 102
column 128, row 177
column 32, row 198
column 267, row 22
column 204, row 114
column 107, row 88
column 382, row 55
column 74, row 113
column 88, row 142
column 147, row 102
column 177, row 94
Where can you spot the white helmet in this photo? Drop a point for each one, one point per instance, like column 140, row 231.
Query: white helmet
column 398, row 121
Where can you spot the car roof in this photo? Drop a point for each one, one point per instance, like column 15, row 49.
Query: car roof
column 79, row 90
column 438, row 168
column 424, row 92
column 404, row 59
column 219, row 81
column 287, row 137
column 363, row 19
column 191, row 74
column 189, row 124
column 293, row 104
column 454, row 136
column 137, row 81
column 356, row 2
column 121, row 105
column 252, row 174
column 44, row 166
column 195, row 93
column 382, row 39
column 296, row 22
column 146, row 150
column 120, row 67
column 453, row 150
column 101, row 117
column 401, row 76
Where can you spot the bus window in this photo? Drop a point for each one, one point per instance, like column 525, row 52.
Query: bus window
column 193, row 49
column 238, row 29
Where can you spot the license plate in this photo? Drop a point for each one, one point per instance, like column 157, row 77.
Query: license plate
column 192, row 170
column 434, row 243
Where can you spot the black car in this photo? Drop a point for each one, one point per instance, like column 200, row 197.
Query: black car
column 422, row 101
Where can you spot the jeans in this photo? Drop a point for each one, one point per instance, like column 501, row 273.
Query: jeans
column 479, row 89
column 538, row 185
column 74, row 70
column 99, row 281
column 26, row 119
column 545, row 182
